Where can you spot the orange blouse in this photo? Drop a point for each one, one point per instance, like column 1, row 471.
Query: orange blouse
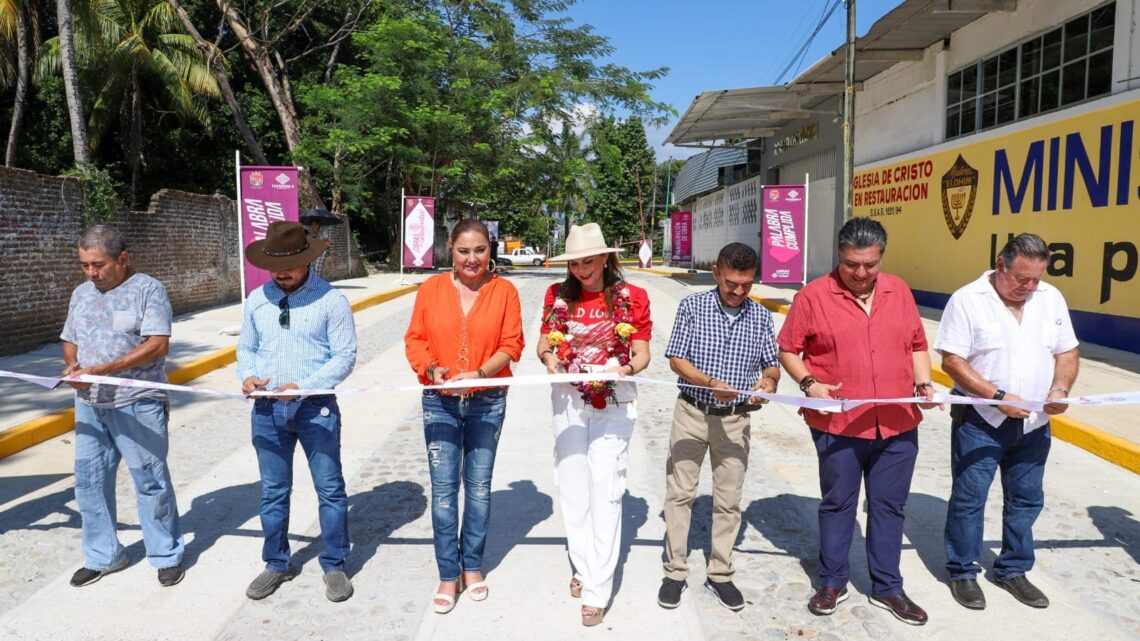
column 435, row 335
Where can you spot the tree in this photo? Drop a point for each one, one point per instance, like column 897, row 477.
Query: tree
column 14, row 26
column 134, row 52
column 70, row 72
column 451, row 99
column 215, row 61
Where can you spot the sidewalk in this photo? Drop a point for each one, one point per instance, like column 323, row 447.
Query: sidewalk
column 1114, row 433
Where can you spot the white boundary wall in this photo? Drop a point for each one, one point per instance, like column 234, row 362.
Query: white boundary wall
column 728, row 215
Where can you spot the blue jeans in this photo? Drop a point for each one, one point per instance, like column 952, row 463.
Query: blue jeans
column 277, row 427
column 977, row 450
column 462, row 435
column 886, row 466
column 137, row 433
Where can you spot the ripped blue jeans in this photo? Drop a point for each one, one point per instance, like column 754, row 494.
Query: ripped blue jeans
column 462, row 435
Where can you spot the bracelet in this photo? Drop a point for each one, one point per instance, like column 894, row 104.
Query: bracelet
column 998, row 395
column 1060, row 389
column 806, row 383
column 482, row 374
column 431, row 372
column 631, row 369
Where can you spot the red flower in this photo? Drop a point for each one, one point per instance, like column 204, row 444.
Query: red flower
column 598, row 401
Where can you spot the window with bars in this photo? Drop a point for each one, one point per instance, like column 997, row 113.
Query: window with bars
column 1061, row 67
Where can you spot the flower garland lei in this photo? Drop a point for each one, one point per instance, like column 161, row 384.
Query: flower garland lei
column 597, row 393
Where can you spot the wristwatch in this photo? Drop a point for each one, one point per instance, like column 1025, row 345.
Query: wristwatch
column 999, row 395
column 806, row 382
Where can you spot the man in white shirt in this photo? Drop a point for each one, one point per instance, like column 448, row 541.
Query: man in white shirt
column 1005, row 336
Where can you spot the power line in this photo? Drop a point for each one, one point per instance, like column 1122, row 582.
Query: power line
column 802, row 52
column 800, row 31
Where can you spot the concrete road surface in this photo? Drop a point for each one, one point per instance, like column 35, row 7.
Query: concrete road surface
column 1088, row 537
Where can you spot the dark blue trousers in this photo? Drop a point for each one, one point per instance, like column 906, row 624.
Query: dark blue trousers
column 886, row 467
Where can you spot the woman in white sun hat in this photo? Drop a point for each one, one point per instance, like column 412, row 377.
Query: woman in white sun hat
column 593, row 322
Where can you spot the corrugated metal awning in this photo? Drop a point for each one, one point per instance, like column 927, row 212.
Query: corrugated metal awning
column 902, row 34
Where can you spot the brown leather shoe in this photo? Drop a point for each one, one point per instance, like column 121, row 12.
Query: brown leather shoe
column 826, row 599
column 902, row 607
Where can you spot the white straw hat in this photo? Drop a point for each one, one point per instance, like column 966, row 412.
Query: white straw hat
column 585, row 240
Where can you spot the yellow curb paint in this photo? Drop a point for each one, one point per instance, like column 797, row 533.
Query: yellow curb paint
column 36, row 431
column 666, row 273
column 382, row 297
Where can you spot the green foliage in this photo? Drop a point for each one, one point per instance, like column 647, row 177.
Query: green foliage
column 101, row 200
column 623, row 160
column 485, row 104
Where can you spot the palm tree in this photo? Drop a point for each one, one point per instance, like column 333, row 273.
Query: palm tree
column 65, row 49
column 14, row 29
column 136, row 55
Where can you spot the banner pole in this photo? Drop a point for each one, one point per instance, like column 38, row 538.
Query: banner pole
column 807, row 214
column 240, row 226
column 403, row 215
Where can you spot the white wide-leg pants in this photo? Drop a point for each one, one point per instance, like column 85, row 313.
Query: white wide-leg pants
column 591, row 452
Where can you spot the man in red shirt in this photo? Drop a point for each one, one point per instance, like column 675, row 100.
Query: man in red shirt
column 855, row 333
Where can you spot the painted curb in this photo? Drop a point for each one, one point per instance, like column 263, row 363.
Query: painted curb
column 666, row 273
column 21, row 437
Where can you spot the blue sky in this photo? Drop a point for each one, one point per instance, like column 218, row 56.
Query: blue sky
column 716, row 44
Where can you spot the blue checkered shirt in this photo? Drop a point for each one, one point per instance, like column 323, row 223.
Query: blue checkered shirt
column 733, row 349
column 316, row 351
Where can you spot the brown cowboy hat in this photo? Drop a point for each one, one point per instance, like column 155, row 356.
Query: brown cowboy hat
column 286, row 245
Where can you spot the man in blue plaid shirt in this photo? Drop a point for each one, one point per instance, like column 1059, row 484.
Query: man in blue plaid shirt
column 722, row 342
column 297, row 334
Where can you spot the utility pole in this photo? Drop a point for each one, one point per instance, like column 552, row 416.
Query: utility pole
column 849, row 114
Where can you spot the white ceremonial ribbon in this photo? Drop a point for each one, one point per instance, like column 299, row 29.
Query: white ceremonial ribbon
column 819, row 404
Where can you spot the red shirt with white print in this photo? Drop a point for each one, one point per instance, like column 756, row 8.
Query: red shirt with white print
column 591, row 329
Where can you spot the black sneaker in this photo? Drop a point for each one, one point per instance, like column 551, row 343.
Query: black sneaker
column 87, row 576
column 172, row 575
column 669, row 596
column 727, row 594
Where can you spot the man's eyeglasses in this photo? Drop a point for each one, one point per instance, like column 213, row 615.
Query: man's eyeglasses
column 283, row 319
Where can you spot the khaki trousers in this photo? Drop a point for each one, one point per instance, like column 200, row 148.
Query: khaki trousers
column 726, row 438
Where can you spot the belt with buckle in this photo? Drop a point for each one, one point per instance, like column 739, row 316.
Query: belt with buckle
column 465, row 393
column 719, row 410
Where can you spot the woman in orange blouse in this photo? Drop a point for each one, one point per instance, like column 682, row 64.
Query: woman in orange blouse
column 465, row 324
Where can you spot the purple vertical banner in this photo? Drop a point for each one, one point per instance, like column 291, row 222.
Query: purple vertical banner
column 419, row 232
column 268, row 194
column 681, row 226
column 782, row 233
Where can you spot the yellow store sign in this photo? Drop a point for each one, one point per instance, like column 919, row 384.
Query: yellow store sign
column 1074, row 181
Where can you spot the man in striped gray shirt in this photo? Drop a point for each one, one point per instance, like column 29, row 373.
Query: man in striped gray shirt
column 297, row 334
column 722, row 343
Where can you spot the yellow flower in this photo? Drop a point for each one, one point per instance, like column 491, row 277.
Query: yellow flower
column 625, row 330
column 555, row 338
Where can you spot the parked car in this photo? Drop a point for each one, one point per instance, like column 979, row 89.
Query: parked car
column 523, row 256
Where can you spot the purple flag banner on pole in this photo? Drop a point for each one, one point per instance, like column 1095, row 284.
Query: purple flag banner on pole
column 681, row 226
column 419, row 232
column 782, row 233
column 268, row 194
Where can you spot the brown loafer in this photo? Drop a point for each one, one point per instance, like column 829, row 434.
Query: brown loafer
column 902, row 607
column 592, row 616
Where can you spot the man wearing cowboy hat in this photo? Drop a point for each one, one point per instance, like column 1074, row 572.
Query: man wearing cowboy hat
column 297, row 334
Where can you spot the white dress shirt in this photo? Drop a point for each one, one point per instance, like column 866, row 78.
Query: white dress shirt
column 1018, row 358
